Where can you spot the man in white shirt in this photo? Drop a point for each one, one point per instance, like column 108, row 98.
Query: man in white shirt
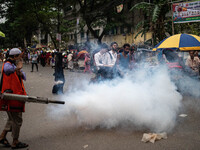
column 34, row 58
column 113, row 53
column 102, row 59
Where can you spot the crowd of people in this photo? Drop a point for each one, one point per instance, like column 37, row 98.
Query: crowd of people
column 111, row 61
column 107, row 62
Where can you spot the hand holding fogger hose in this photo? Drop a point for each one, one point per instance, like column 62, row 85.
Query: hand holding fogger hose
column 24, row 98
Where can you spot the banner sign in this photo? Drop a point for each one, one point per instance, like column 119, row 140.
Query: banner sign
column 186, row 12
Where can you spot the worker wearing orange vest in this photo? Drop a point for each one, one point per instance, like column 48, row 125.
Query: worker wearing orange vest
column 12, row 82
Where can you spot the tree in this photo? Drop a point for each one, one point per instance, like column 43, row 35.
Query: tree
column 23, row 22
column 154, row 18
column 20, row 23
column 99, row 14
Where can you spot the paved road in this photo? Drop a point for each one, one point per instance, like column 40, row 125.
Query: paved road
column 42, row 132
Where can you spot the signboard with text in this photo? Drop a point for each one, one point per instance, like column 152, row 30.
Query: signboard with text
column 186, row 12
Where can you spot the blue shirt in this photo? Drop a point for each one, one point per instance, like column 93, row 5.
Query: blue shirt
column 10, row 68
column 34, row 58
column 124, row 61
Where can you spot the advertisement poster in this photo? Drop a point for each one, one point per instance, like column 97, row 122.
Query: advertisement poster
column 186, row 12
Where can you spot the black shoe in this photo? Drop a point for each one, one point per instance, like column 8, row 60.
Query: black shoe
column 32, row 71
column 5, row 142
column 19, row 145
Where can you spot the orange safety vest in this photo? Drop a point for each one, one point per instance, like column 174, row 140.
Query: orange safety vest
column 13, row 83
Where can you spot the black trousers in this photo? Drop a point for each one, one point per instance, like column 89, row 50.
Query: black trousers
column 108, row 73
column 105, row 72
column 43, row 63
column 35, row 65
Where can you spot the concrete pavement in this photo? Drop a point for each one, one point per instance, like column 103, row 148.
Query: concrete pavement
column 42, row 132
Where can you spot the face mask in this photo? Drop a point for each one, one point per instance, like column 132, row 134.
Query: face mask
column 114, row 49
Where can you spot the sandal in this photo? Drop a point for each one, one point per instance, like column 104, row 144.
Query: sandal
column 5, row 142
column 19, row 145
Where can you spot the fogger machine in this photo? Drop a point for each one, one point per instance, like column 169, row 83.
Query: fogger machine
column 25, row 98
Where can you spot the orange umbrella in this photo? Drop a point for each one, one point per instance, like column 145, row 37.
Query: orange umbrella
column 82, row 52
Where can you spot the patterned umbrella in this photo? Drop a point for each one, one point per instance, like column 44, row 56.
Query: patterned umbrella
column 183, row 42
column 82, row 52
column 2, row 34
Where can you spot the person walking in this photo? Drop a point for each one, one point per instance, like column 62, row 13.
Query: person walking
column 12, row 82
column 34, row 58
column 87, row 63
column 43, row 59
column 70, row 61
column 25, row 56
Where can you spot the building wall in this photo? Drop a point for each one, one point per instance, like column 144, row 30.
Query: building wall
column 119, row 38
column 128, row 38
column 132, row 17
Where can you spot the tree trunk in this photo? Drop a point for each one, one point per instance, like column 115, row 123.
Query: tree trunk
column 53, row 40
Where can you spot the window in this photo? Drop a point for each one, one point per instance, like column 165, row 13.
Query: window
column 97, row 32
column 82, row 34
column 129, row 29
column 113, row 31
column 122, row 30
column 71, row 37
column 116, row 30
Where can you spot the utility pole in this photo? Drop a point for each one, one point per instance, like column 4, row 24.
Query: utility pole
column 59, row 73
column 58, row 19
column 39, row 35
column 172, row 18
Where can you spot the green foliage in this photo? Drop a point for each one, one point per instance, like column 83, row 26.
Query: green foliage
column 139, row 25
column 144, row 6
column 156, row 13
column 24, row 17
column 190, row 28
column 100, row 14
